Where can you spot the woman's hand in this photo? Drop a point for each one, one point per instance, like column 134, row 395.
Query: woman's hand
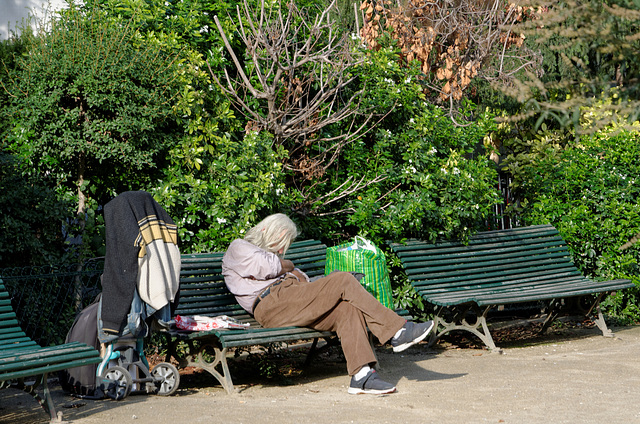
column 301, row 275
column 286, row 265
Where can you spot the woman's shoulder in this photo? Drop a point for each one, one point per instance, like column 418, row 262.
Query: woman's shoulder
column 242, row 245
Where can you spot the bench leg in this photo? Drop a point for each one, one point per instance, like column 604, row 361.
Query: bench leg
column 602, row 325
column 556, row 305
column 599, row 319
column 195, row 357
column 459, row 322
column 47, row 402
column 314, row 350
column 552, row 314
column 220, row 359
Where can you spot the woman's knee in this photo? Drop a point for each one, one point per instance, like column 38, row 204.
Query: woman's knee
column 344, row 278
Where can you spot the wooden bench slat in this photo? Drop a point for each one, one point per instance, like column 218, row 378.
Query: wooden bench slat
column 485, row 265
column 46, row 352
column 501, row 274
column 8, row 325
column 14, row 342
column 531, row 279
column 482, row 241
column 542, row 292
column 48, row 368
column 424, row 249
column 474, row 257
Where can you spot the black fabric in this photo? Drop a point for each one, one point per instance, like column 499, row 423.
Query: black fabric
column 119, row 280
column 265, row 293
column 82, row 380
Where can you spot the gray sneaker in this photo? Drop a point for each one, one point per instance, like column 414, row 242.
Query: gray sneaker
column 370, row 384
column 413, row 333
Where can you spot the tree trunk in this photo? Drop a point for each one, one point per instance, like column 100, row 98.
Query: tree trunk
column 81, row 219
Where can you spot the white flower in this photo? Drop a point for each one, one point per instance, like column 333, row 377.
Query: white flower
column 278, row 191
column 221, row 220
column 444, row 171
column 456, row 171
column 204, row 29
column 433, row 151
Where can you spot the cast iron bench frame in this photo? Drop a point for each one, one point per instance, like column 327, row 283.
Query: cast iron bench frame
column 464, row 283
column 22, row 358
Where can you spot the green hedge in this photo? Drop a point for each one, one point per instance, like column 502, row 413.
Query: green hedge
column 589, row 190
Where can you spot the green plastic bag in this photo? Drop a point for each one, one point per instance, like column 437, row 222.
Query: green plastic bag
column 362, row 256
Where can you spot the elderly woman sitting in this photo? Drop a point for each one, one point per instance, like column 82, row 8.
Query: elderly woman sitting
column 279, row 295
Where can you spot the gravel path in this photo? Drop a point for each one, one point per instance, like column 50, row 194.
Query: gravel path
column 574, row 377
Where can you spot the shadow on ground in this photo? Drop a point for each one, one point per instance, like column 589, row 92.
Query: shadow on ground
column 284, row 366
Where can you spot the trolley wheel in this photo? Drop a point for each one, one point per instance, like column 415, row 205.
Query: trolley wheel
column 117, row 381
column 167, row 378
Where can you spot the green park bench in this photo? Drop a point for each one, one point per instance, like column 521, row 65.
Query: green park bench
column 204, row 293
column 464, row 283
column 23, row 360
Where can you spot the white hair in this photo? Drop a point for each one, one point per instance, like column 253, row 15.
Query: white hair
column 273, row 233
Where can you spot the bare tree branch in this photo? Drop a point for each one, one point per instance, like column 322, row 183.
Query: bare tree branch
column 300, row 70
column 294, row 81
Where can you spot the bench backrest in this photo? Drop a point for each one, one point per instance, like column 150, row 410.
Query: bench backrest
column 12, row 338
column 202, row 288
column 491, row 259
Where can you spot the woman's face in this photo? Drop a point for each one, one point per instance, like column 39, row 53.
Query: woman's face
column 273, row 247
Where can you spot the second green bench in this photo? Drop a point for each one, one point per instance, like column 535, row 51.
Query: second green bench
column 463, row 283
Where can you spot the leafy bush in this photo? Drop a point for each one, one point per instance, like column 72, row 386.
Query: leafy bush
column 420, row 174
column 234, row 186
column 589, row 191
column 31, row 219
column 91, row 110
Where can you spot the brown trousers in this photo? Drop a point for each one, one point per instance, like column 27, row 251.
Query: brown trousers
column 337, row 302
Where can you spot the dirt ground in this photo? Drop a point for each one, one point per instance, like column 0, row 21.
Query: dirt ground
column 571, row 375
